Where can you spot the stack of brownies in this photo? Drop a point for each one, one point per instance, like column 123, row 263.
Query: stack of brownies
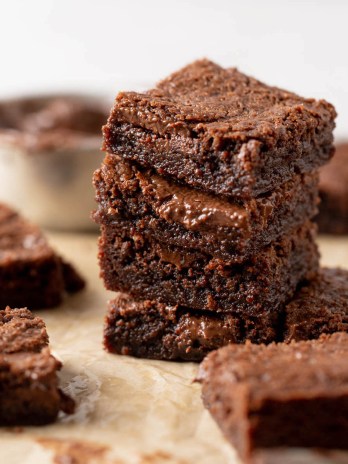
column 205, row 199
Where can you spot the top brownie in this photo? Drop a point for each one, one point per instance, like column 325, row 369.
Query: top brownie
column 221, row 131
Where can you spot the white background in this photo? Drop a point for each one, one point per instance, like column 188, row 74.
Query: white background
column 105, row 45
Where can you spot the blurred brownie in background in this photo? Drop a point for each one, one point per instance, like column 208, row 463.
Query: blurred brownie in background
column 319, row 306
column 31, row 273
column 333, row 191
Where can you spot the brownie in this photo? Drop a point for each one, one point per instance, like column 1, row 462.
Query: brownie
column 279, row 395
column 333, row 188
column 51, row 122
column 148, row 269
column 148, row 329
column 28, row 372
column 320, row 306
column 31, row 273
column 221, row 131
column 189, row 218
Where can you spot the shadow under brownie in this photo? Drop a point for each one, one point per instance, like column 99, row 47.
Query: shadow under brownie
column 144, row 268
column 221, row 131
column 189, row 218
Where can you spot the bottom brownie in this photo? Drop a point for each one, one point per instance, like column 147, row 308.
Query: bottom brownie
column 28, row 372
column 153, row 330
column 293, row 395
column 150, row 329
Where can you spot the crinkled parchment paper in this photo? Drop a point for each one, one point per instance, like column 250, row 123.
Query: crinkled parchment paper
column 128, row 410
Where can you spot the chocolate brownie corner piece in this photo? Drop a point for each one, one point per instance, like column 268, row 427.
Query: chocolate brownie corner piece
column 28, row 372
column 333, row 190
column 148, row 329
column 221, row 131
column 279, row 395
column 320, row 306
column 31, row 273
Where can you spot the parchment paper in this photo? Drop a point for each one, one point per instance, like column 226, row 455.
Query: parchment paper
column 128, row 410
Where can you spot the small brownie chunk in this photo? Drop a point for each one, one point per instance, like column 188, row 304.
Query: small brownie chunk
column 189, row 218
column 146, row 269
column 28, row 372
column 333, row 190
column 148, row 329
column 21, row 331
column 320, row 306
column 279, row 395
column 31, row 273
column 221, row 131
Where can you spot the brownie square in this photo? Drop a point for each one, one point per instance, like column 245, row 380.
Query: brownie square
column 189, row 218
column 221, row 131
column 333, row 188
column 148, row 329
column 146, row 268
column 279, row 395
column 320, row 306
column 31, row 273
column 28, row 372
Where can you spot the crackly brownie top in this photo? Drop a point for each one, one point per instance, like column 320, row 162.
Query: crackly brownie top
column 334, row 176
column 21, row 331
column 322, row 304
column 204, row 99
column 19, row 239
column 280, row 371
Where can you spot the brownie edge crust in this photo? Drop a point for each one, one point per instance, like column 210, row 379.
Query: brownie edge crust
column 29, row 386
column 221, row 131
column 259, row 404
column 134, row 264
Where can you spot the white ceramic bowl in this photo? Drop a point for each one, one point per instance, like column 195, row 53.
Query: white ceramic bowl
column 51, row 185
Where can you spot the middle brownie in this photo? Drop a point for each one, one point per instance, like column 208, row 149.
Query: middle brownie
column 146, row 268
column 189, row 218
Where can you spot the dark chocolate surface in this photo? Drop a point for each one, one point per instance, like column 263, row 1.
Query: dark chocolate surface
column 293, row 395
column 333, row 188
column 148, row 329
column 31, row 273
column 145, row 268
column 189, row 218
column 320, row 306
column 51, row 122
column 28, row 372
column 221, row 131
